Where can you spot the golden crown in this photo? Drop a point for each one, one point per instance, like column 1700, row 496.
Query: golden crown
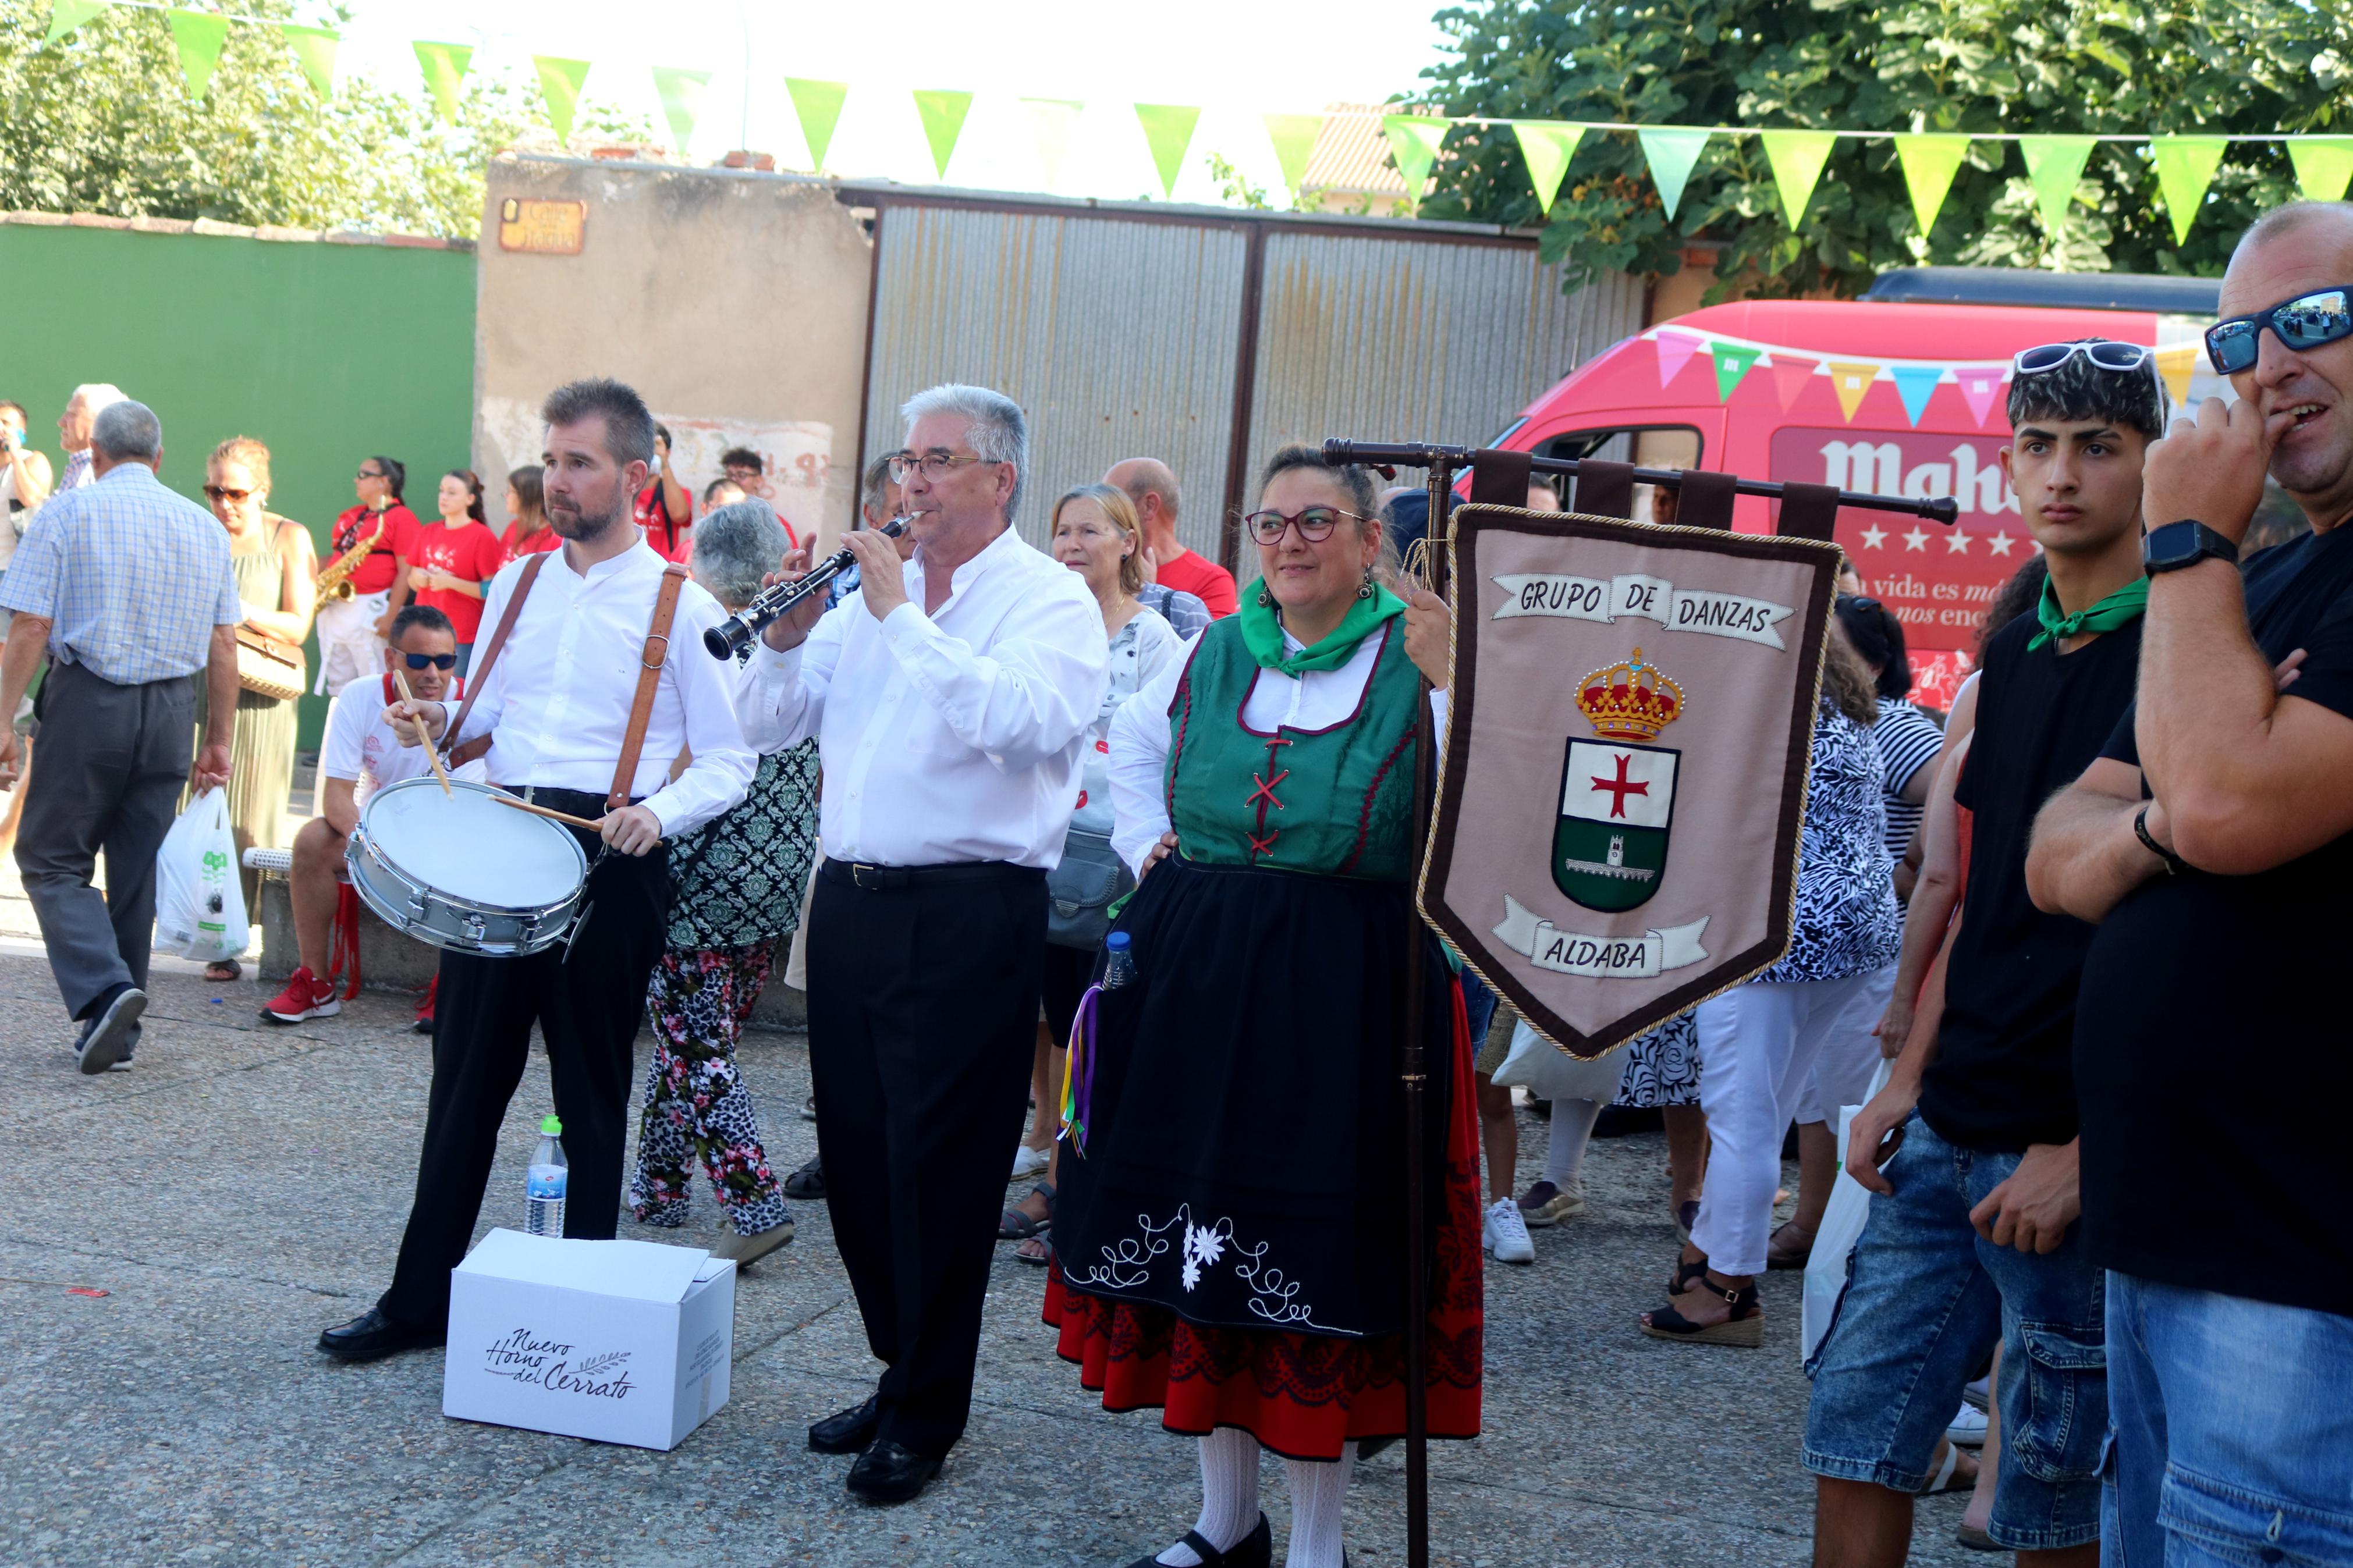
column 1629, row 700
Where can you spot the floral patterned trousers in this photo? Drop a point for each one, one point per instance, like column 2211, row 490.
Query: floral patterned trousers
column 696, row 1102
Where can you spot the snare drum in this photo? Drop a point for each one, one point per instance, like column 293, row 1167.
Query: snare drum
column 462, row 872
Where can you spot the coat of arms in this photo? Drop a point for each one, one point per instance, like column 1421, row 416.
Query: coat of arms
column 1616, row 793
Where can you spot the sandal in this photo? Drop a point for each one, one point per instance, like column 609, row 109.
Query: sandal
column 1782, row 1252
column 1745, row 1329
column 1037, row 1259
column 1015, row 1226
column 1948, row 1476
column 1686, row 1216
column 236, row 971
column 1686, row 1276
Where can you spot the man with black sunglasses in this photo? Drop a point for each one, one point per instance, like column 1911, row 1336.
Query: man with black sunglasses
column 359, row 755
column 2213, row 843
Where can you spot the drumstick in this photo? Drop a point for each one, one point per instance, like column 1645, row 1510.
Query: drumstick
column 423, row 734
column 553, row 816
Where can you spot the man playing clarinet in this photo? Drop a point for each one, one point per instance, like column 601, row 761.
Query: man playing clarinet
column 949, row 697
column 556, row 698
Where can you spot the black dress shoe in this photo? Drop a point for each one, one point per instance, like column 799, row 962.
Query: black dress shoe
column 888, row 1473
column 808, row 1184
column 846, row 1431
column 1255, row 1549
column 372, row 1336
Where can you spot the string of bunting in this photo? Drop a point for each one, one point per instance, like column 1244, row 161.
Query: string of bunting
column 2185, row 165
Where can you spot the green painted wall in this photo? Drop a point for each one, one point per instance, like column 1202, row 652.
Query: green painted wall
column 326, row 352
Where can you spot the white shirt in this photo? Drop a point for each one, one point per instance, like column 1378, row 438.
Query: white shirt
column 945, row 738
column 557, row 704
column 361, row 749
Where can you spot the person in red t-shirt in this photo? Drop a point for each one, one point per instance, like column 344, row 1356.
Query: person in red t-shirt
column 529, row 533
column 456, row 558
column 352, row 631
column 665, row 509
column 1153, row 489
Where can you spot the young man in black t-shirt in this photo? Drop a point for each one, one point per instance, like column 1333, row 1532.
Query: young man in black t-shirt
column 1972, row 1146
column 2213, row 843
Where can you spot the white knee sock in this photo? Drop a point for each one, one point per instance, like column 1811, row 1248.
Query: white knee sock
column 1317, row 1490
column 1228, row 1495
column 1572, row 1128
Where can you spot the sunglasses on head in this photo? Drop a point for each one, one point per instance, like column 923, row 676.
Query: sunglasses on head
column 431, row 660
column 2306, row 321
column 2101, row 351
column 222, row 492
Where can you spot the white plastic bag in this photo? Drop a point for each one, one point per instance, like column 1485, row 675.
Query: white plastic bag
column 199, row 903
column 1552, row 1073
column 1841, row 1227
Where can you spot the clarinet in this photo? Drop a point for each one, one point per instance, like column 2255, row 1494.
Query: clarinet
column 726, row 639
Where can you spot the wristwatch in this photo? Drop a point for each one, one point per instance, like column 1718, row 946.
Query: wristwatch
column 2184, row 543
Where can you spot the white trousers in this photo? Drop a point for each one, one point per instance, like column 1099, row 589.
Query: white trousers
column 1758, row 1046
column 349, row 648
column 1841, row 1075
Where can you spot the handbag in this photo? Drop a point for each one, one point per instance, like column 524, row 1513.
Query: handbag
column 1081, row 889
column 1551, row 1073
column 268, row 666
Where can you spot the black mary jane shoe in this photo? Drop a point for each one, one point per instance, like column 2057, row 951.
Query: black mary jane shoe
column 889, row 1473
column 1255, row 1549
column 850, row 1431
column 372, row 1336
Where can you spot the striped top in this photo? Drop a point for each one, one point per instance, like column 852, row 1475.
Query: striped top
column 1908, row 741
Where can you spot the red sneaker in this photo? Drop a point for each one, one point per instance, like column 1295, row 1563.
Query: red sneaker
column 305, row 996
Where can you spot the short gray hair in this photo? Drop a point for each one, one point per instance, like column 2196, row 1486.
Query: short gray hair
column 994, row 427
column 97, row 396
column 126, row 431
column 734, row 547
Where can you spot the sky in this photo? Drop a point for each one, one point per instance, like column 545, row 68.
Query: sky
column 1235, row 59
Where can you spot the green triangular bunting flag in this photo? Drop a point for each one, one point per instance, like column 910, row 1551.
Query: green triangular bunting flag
column 2185, row 166
column 942, row 114
column 1051, row 121
column 1671, row 153
column 1414, row 139
column 682, row 99
column 1548, row 145
column 1797, row 157
column 198, row 37
column 314, row 50
column 1167, row 131
column 1930, row 161
column 1294, row 136
column 65, row 15
column 2055, row 165
column 560, row 82
column 444, row 66
column 2324, row 167
column 818, row 104
column 1731, row 362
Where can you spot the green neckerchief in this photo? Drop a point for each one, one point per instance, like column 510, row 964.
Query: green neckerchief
column 2116, row 610
column 1262, row 633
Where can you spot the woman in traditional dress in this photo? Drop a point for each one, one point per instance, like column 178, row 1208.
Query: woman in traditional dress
column 1216, row 1256
column 276, row 584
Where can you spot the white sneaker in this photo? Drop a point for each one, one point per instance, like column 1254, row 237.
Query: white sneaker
column 1979, row 1392
column 1029, row 1162
column 1505, row 1234
column 1968, row 1429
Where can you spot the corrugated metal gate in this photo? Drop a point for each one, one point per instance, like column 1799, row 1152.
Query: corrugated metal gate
column 1207, row 338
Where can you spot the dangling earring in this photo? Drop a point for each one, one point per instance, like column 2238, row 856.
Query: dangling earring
column 1366, row 590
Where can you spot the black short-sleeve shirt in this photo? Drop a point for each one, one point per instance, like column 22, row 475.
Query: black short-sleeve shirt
column 2213, row 1058
column 2002, row 1077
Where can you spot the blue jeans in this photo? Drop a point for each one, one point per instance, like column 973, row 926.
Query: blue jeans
column 1925, row 1300
column 2233, row 1431
column 1478, row 1008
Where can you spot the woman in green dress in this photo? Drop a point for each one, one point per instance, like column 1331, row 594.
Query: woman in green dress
column 276, row 573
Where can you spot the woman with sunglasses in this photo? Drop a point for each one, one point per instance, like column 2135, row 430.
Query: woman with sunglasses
column 1217, row 1254
column 276, row 580
column 353, row 631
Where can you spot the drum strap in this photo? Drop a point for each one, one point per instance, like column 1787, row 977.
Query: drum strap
column 457, row 757
column 650, row 660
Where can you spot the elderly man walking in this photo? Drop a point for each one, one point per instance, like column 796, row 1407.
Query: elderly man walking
column 118, row 710
column 82, row 409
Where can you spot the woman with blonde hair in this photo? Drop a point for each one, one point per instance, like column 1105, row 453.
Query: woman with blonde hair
column 276, row 580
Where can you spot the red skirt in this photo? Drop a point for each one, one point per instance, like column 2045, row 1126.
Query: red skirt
column 1302, row 1395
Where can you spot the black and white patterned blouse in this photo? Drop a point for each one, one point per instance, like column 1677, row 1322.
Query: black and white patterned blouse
column 739, row 879
column 1847, row 922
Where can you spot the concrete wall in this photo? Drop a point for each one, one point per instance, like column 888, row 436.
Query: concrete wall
column 735, row 302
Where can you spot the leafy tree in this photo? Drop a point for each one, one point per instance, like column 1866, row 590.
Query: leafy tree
column 100, row 122
column 2206, row 66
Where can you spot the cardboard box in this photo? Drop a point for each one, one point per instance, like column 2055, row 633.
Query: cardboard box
column 624, row 1342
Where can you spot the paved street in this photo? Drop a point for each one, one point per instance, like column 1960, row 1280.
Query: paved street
column 175, row 1236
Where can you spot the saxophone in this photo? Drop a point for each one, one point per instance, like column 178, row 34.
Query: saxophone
column 335, row 578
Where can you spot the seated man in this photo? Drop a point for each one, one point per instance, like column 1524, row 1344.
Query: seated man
column 359, row 755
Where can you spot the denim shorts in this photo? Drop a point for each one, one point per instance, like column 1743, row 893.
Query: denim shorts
column 1925, row 1300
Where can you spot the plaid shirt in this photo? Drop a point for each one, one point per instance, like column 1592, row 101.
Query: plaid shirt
column 131, row 577
column 1184, row 611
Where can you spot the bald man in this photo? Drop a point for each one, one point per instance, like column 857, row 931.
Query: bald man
column 1153, row 489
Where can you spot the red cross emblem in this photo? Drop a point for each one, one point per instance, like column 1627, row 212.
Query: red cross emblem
column 1620, row 787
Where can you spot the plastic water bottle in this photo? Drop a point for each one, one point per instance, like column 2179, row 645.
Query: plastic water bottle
column 542, row 1204
column 1119, row 968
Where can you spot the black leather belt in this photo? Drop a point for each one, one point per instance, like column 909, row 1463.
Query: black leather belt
column 571, row 802
column 891, row 878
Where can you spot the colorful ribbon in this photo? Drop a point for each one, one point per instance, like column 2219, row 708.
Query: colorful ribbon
column 1079, row 1074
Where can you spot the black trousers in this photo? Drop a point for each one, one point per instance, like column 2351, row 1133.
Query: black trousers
column 922, row 1014
column 587, row 1005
